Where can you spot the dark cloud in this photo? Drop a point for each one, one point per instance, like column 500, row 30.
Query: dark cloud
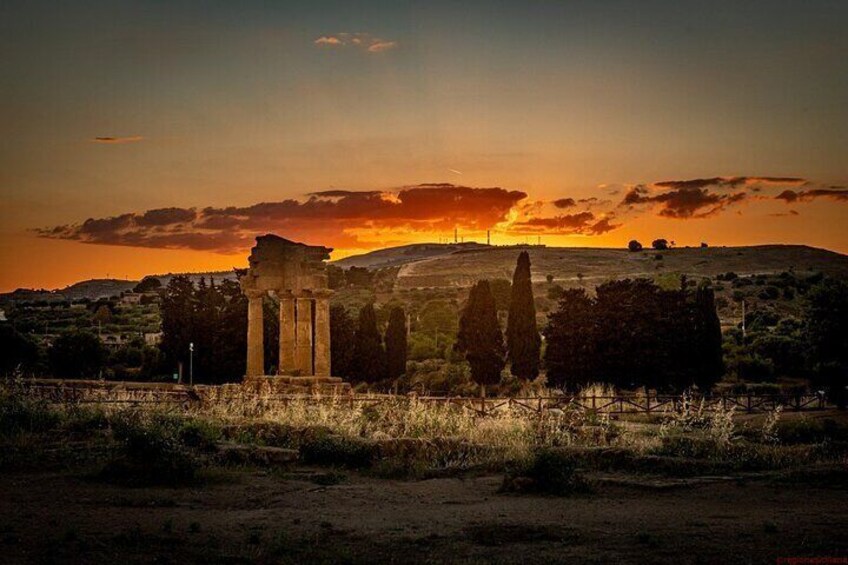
column 730, row 182
column 166, row 216
column 332, row 216
column 833, row 193
column 565, row 203
column 583, row 223
column 110, row 140
column 689, row 201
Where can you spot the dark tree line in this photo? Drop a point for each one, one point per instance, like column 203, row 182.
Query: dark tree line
column 214, row 318
column 634, row 334
column 360, row 353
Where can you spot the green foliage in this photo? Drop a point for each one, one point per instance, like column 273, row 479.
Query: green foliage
column 152, row 453
column 632, row 334
column 369, row 354
column 214, row 318
column 826, row 318
column 20, row 414
column 77, row 355
column 479, row 336
column 148, row 284
column 660, row 244
column 342, row 343
column 18, row 352
column 550, row 471
column 396, row 345
column 522, row 336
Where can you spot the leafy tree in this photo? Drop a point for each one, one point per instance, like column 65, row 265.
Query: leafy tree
column 396, row 346
column 342, row 343
column 335, row 277
column 555, row 292
column 438, row 317
column 77, row 355
column 360, row 277
column 635, row 333
column 17, row 351
column 102, row 316
column 369, row 355
column 480, row 338
column 178, row 321
column 660, row 244
column 570, row 358
column 522, row 337
column 826, row 319
column 634, row 245
column 147, row 284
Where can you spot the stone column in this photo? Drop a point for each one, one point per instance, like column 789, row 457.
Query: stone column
column 287, row 334
column 255, row 336
column 322, row 335
column 303, row 336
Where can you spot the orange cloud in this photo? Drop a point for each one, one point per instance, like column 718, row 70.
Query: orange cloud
column 364, row 41
column 333, row 216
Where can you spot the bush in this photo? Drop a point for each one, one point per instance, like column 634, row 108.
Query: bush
column 21, row 415
column 152, row 453
column 549, row 471
column 324, row 448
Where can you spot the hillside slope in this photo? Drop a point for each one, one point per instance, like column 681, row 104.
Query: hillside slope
column 569, row 265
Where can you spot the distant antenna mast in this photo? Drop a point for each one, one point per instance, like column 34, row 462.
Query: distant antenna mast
column 455, row 235
column 538, row 240
column 488, row 237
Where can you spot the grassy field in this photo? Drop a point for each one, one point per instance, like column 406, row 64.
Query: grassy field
column 591, row 266
column 245, row 480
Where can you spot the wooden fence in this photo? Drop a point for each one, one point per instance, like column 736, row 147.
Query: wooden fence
column 183, row 396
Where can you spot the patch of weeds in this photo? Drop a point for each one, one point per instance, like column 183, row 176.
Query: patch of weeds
column 199, row 434
column 331, row 449
column 151, row 453
column 549, row 471
column 806, row 431
column 194, row 527
column 20, row 414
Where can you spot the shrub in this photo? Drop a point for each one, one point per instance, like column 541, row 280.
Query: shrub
column 550, row 471
column 330, row 449
column 151, row 452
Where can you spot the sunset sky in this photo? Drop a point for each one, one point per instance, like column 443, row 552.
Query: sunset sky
column 151, row 137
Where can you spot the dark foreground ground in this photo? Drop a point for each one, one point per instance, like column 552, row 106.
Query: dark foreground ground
column 314, row 515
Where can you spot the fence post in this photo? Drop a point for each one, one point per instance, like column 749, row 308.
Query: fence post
column 749, row 403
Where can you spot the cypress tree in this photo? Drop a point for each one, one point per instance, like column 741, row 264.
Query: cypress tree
column 396, row 346
column 480, row 338
column 369, row 355
column 522, row 336
column 710, row 364
column 342, row 343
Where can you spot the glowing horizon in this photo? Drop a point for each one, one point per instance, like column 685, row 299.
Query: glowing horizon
column 145, row 139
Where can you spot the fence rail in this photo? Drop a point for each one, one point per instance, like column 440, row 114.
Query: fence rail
column 165, row 394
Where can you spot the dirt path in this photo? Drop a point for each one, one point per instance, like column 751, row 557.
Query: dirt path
column 245, row 516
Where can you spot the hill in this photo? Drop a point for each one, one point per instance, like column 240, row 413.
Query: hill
column 433, row 265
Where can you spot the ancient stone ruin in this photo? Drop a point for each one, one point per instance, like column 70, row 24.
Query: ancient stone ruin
column 296, row 274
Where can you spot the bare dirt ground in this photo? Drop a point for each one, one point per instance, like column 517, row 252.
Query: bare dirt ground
column 257, row 516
